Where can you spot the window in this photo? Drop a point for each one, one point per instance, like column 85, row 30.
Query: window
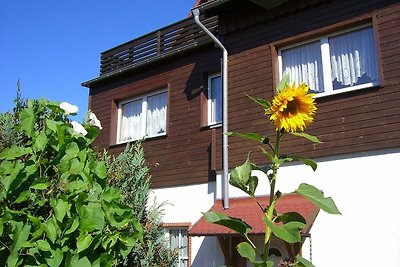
column 275, row 255
column 334, row 63
column 178, row 239
column 145, row 116
column 214, row 99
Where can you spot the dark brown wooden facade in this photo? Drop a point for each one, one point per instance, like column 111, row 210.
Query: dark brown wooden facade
column 352, row 122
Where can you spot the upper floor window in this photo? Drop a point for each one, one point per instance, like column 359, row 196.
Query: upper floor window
column 141, row 117
column 178, row 239
column 214, row 99
column 334, row 63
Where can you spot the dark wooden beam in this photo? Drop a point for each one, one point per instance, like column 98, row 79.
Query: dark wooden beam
column 268, row 4
column 224, row 244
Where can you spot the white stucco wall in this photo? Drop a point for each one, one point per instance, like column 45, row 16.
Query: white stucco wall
column 185, row 204
column 365, row 188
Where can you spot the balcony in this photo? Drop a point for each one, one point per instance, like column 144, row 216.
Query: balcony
column 170, row 40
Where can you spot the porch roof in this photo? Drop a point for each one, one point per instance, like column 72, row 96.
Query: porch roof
column 246, row 209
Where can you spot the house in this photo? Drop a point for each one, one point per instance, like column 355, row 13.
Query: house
column 166, row 87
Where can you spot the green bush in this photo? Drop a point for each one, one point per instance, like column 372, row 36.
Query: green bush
column 128, row 172
column 8, row 133
column 56, row 208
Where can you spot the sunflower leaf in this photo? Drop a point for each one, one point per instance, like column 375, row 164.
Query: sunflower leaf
column 236, row 224
column 241, row 178
column 265, row 152
column 262, row 102
column 289, row 232
column 302, row 262
column 310, row 137
column 306, row 161
column 247, row 251
column 317, row 197
column 282, row 84
column 249, row 136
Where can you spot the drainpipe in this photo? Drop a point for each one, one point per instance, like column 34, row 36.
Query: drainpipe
column 225, row 193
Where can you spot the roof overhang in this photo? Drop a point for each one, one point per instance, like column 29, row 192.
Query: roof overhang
column 248, row 210
column 210, row 5
column 267, row 4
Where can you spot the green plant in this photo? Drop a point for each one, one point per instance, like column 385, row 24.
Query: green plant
column 56, row 208
column 128, row 172
column 291, row 111
column 8, row 133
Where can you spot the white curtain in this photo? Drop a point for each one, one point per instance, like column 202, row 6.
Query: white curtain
column 184, row 248
column 353, row 56
column 304, row 65
column 131, row 121
column 156, row 114
column 174, row 239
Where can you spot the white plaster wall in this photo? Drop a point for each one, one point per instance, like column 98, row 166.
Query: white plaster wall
column 186, row 204
column 365, row 188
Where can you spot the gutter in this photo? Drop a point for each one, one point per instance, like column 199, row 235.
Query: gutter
column 225, row 166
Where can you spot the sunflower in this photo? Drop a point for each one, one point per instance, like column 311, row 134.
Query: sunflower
column 292, row 109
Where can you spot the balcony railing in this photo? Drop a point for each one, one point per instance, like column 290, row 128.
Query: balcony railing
column 166, row 41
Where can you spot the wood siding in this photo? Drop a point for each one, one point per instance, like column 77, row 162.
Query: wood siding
column 351, row 122
column 184, row 155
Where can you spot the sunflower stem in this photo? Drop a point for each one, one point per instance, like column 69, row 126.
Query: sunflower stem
column 269, row 213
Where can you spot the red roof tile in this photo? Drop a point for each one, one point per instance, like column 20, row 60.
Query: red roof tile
column 200, row 2
column 248, row 210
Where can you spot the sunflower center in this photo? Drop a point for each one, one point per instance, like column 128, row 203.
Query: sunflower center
column 291, row 108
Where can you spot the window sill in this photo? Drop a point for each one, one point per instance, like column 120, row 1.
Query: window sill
column 348, row 89
column 154, row 137
column 211, row 126
column 216, row 125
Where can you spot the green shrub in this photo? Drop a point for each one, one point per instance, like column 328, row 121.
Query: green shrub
column 56, row 208
column 8, row 133
column 128, row 172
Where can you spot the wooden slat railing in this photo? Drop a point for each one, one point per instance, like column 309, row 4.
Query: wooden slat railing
column 168, row 40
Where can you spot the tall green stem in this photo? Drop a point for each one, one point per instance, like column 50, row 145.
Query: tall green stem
column 271, row 206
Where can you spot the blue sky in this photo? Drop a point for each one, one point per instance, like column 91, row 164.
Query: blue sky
column 53, row 46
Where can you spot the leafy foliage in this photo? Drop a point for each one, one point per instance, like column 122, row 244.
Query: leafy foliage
column 128, row 172
column 56, row 208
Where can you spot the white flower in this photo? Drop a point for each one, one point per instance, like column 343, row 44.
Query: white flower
column 78, row 128
column 68, row 108
column 94, row 121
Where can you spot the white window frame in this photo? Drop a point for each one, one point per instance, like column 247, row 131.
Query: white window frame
column 143, row 98
column 180, row 246
column 326, row 63
column 210, row 121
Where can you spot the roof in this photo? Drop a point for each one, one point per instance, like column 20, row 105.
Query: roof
column 200, row 2
column 248, row 210
column 210, row 4
column 197, row 5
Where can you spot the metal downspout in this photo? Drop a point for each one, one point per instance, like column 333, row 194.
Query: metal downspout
column 225, row 190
